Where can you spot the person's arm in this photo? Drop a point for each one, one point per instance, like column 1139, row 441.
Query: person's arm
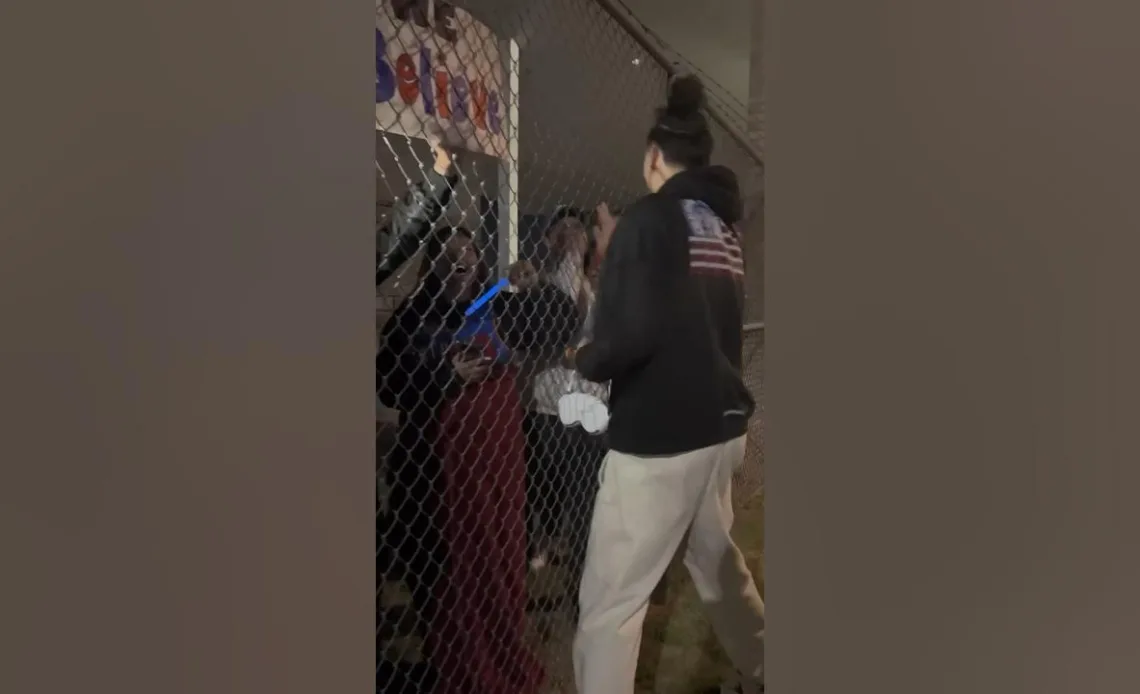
column 631, row 307
column 607, row 223
column 410, row 372
column 416, row 214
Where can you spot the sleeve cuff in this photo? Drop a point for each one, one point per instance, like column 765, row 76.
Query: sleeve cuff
column 585, row 361
column 436, row 183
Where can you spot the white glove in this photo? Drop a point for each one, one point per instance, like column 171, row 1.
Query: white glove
column 584, row 410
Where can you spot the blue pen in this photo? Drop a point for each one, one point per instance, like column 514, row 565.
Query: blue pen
column 487, row 296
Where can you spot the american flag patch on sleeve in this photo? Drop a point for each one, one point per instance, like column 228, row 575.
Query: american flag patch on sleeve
column 714, row 248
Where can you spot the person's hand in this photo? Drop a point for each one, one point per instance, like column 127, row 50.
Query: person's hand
column 470, row 368
column 585, row 296
column 444, row 157
column 568, row 357
column 607, row 222
column 578, row 241
column 557, row 239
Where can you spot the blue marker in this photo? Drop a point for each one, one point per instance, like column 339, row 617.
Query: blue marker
column 487, row 296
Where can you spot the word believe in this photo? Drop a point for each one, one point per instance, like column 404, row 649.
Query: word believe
column 418, row 79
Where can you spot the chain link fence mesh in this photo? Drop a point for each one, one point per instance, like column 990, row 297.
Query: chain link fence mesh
column 484, row 495
column 749, row 481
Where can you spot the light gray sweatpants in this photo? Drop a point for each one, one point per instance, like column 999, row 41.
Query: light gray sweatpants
column 646, row 508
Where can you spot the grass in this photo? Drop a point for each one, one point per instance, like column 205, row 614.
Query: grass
column 679, row 653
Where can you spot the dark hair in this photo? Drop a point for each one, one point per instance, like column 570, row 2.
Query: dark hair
column 681, row 131
column 563, row 213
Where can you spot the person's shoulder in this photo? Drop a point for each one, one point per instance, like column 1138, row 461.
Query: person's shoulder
column 649, row 208
column 638, row 229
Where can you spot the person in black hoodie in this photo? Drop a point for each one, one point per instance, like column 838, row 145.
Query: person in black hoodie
column 668, row 337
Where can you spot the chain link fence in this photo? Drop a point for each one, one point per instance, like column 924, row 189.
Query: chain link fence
column 484, row 493
column 749, row 482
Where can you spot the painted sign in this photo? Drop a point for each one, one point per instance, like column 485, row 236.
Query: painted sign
column 434, row 61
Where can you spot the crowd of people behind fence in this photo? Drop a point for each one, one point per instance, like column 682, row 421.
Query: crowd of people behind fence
column 495, row 473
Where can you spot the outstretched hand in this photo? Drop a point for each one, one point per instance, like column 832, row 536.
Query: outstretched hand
column 607, row 222
column 444, row 157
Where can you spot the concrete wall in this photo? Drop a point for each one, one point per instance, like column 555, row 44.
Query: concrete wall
column 587, row 94
column 713, row 36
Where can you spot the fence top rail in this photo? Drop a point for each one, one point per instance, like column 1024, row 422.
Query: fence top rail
column 638, row 33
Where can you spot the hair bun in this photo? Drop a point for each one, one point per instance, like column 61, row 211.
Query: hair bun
column 686, row 97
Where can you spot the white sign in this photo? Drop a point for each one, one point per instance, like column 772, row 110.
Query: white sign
column 435, row 62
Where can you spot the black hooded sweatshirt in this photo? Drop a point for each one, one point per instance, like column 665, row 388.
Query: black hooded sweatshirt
column 670, row 311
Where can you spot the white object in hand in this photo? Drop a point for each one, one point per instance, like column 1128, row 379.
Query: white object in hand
column 585, row 410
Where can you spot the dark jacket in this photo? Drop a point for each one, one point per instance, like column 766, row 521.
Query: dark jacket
column 411, row 374
column 414, row 376
column 413, row 219
column 670, row 311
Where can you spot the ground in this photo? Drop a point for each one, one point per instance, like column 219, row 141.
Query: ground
column 679, row 653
